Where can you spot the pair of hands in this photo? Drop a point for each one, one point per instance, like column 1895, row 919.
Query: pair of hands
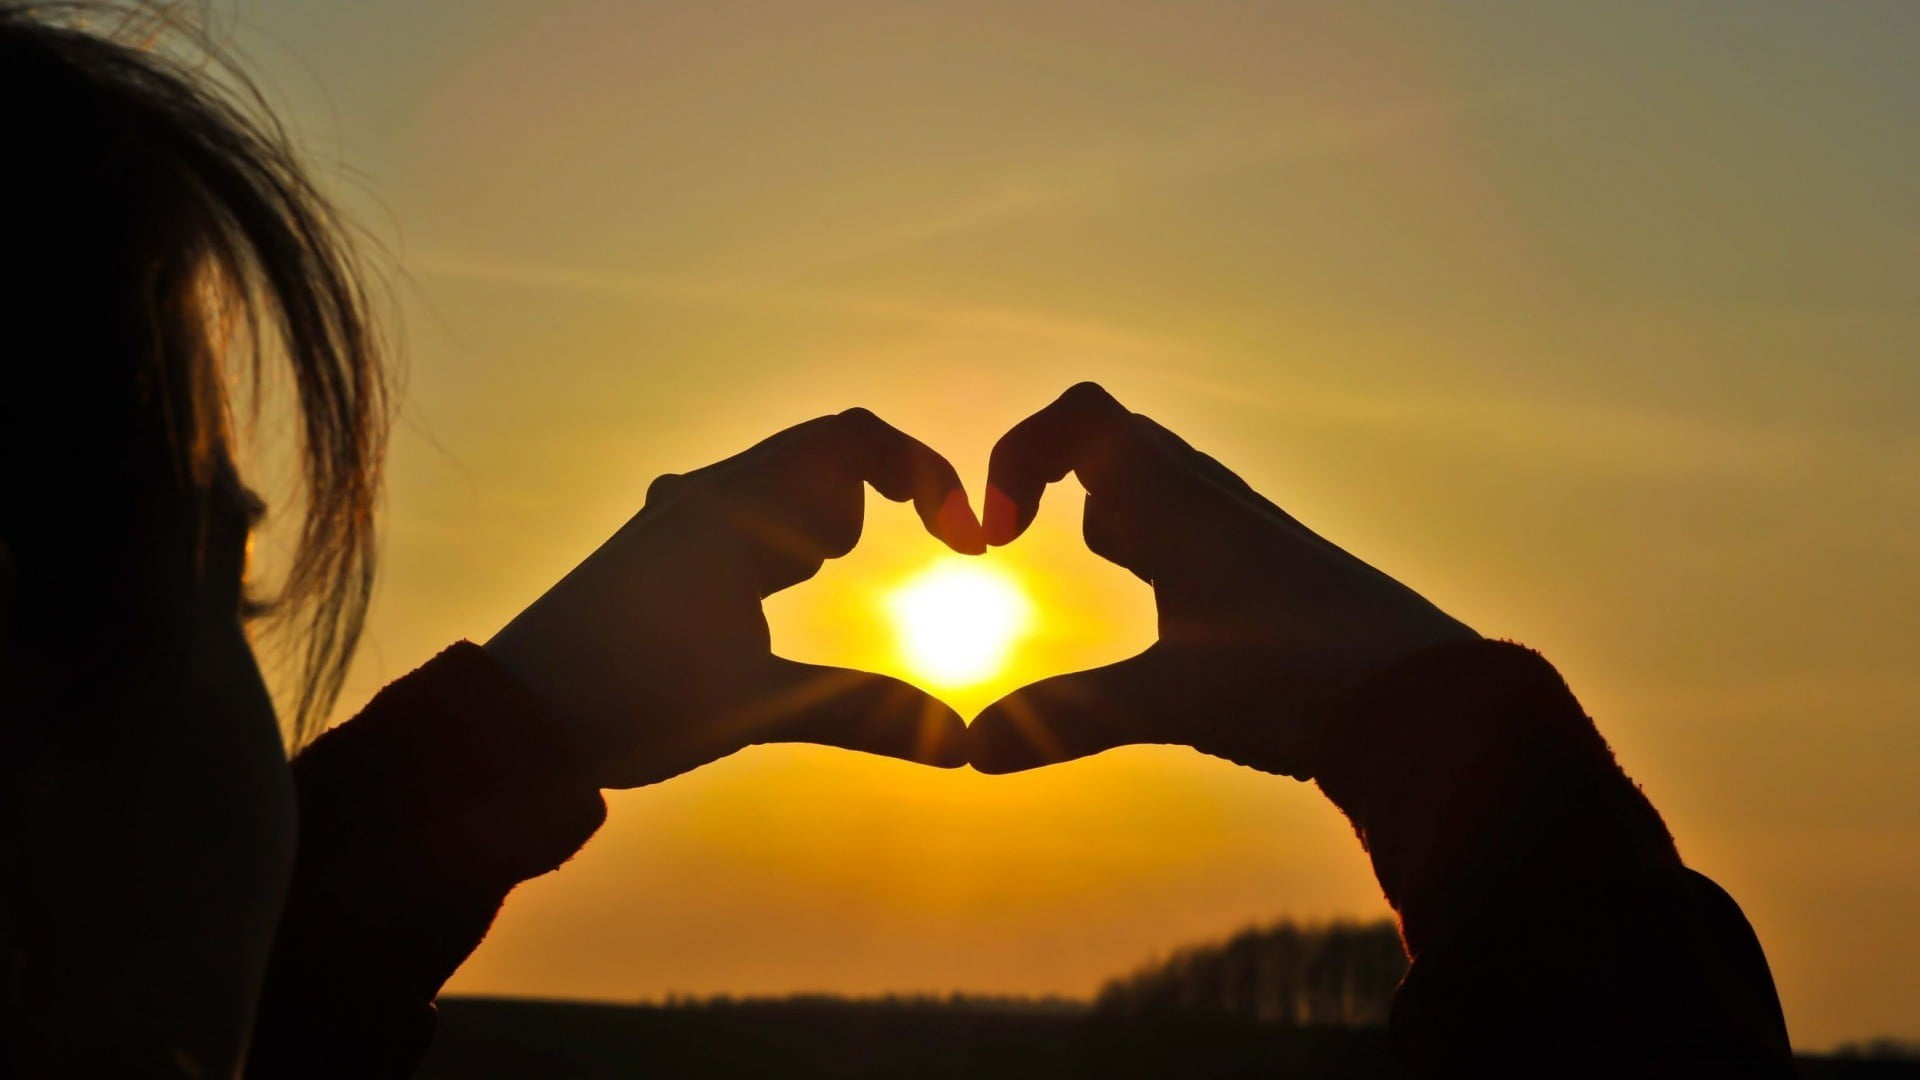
column 656, row 653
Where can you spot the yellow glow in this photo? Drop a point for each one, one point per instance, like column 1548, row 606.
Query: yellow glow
column 957, row 620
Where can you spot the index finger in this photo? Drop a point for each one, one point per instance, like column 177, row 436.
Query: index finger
column 1085, row 432
column 902, row 467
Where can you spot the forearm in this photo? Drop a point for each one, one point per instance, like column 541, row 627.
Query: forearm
column 1546, row 910
column 417, row 818
column 1455, row 764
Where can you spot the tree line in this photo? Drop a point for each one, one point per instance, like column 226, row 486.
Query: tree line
column 1340, row 974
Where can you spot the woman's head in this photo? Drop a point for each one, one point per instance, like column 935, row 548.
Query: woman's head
column 158, row 244
column 154, row 225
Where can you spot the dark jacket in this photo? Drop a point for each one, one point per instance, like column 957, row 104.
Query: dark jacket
column 1552, row 927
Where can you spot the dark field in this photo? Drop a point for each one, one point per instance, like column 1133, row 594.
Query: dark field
column 483, row 1039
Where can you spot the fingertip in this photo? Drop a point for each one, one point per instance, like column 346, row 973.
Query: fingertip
column 1002, row 522
column 941, row 740
column 996, row 745
column 957, row 525
column 912, row 725
column 951, row 755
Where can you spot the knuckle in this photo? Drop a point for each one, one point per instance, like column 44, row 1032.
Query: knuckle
column 664, row 487
column 838, row 546
column 840, row 532
column 1088, row 394
column 777, row 573
column 1103, row 547
column 857, row 416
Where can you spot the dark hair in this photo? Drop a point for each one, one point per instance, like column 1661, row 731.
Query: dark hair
column 153, row 216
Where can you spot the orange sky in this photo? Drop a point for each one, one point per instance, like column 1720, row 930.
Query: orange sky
column 1595, row 323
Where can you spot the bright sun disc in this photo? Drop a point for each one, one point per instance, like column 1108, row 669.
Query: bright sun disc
column 957, row 620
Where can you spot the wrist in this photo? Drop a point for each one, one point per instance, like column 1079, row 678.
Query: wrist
column 451, row 783
column 1339, row 728
column 557, row 680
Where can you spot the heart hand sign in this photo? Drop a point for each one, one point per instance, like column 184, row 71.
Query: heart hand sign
column 656, row 653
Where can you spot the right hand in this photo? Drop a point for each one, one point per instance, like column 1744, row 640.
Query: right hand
column 654, row 652
column 1262, row 622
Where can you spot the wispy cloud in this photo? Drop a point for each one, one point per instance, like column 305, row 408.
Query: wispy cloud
column 561, row 278
column 929, row 313
column 1591, row 436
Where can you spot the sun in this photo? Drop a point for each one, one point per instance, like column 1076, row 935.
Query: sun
column 957, row 620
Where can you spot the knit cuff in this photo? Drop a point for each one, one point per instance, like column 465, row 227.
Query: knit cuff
column 452, row 783
column 1464, row 759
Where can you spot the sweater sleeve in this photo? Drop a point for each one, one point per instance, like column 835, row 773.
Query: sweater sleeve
column 1552, row 927
column 417, row 817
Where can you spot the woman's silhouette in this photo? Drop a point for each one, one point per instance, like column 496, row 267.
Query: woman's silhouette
column 148, row 827
column 172, row 893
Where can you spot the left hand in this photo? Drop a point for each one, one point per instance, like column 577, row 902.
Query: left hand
column 655, row 653
column 1263, row 622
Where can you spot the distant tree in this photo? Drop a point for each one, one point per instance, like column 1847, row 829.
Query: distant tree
column 1339, row 974
column 1882, row 1049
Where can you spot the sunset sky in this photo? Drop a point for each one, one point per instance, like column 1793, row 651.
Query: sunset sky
column 1597, row 324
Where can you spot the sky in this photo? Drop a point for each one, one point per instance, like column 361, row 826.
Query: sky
column 1596, row 324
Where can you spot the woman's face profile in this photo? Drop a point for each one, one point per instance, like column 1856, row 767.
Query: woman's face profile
column 222, row 797
column 161, row 864
column 155, row 212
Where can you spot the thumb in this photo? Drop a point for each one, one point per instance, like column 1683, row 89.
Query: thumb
column 1071, row 716
column 859, row 710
